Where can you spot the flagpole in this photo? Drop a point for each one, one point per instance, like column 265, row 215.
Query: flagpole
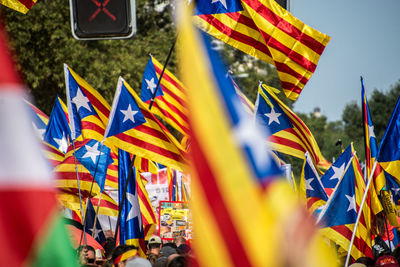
column 334, row 190
column 124, row 196
column 162, row 73
column 79, row 192
column 359, row 213
column 95, row 214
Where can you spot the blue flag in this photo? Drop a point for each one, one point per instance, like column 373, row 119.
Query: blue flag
column 314, row 187
column 125, row 113
column 332, row 175
column 204, row 7
column 389, row 152
column 57, row 131
column 94, row 160
column 149, row 83
column 89, row 217
column 131, row 226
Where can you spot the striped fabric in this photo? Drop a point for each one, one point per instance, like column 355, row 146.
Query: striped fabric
column 39, row 119
column 341, row 233
column 67, row 174
column 265, row 30
column 371, row 151
column 170, row 101
column 52, row 154
column 88, row 111
column 22, row 6
column 135, row 129
column 289, row 134
column 145, row 165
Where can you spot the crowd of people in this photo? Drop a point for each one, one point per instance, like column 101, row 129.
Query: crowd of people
column 158, row 254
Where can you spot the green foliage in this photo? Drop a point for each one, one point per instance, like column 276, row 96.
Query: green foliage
column 43, row 42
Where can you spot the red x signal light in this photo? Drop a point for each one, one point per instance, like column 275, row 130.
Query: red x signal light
column 103, row 19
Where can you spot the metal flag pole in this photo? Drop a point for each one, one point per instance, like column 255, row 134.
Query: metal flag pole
column 96, row 213
column 334, row 190
column 162, row 73
column 79, row 192
column 359, row 213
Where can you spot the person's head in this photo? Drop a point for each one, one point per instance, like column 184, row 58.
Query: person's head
column 86, row 255
column 138, row 262
column 367, row 261
column 396, row 253
column 176, row 260
column 154, row 244
column 166, row 251
column 180, row 240
column 152, row 258
column 122, row 254
column 387, row 261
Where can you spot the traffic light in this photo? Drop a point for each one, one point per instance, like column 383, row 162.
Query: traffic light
column 102, row 19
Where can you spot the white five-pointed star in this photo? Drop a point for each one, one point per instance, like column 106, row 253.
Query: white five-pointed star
column 92, row 152
column 223, row 2
column 371, row 131
column 246, row 133
column 97, row 232
column 273, row 116
column 62, row 143
column 39, row 132
column 308, row 184
column 135, row 209
column 81, row 100
column 129, row 114
column 352, row 203
column 337, row 172
column 396, row 190
column 151, row 85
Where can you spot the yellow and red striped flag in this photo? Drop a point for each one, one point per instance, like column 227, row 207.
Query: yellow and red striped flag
column 265, row 30
column 170, row 99
column 289, row 134
column 22, row 6
column 88, row 111
column 133, row 128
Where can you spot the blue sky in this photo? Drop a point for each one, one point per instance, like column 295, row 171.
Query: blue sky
column 365, row 40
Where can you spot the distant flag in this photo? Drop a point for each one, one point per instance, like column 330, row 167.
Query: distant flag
column 88, row 111
column 388, row 157
column 332, row 176
column 341, row 210
column 371, row 152
column 96, row 158
column 133, row 128
column 89, row 224
column 145, row 165
column 52, row 154
column 67, row 171
column 247, row 104
column 22, row 6
column 57, row 131
column 315, row 192
column 39, row 119
column 31, row 229
column 170, row 100
column 394, row 186
column 289, row 134
column 131, row 224
column 264, row 30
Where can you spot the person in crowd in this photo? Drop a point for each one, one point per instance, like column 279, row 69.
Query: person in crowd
column 138, row 262
column 152, row 258
column 367, row 261
column 154, row 245
column 86, row 256
column 122, row 254
column 182, row 246
column 167, row 250
column 176, row 260
column 387, row 261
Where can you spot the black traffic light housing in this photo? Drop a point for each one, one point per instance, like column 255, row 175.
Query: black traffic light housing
column 103, row 19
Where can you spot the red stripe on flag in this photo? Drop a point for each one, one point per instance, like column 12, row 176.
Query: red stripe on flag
column 149, row 146
column 231, row 33
column 95, row 102
column 359, row 243
column 286, row 142
column 171, row 117
column 284, row 68
column 215, row 202
column 285, row 26
column 149, row 208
